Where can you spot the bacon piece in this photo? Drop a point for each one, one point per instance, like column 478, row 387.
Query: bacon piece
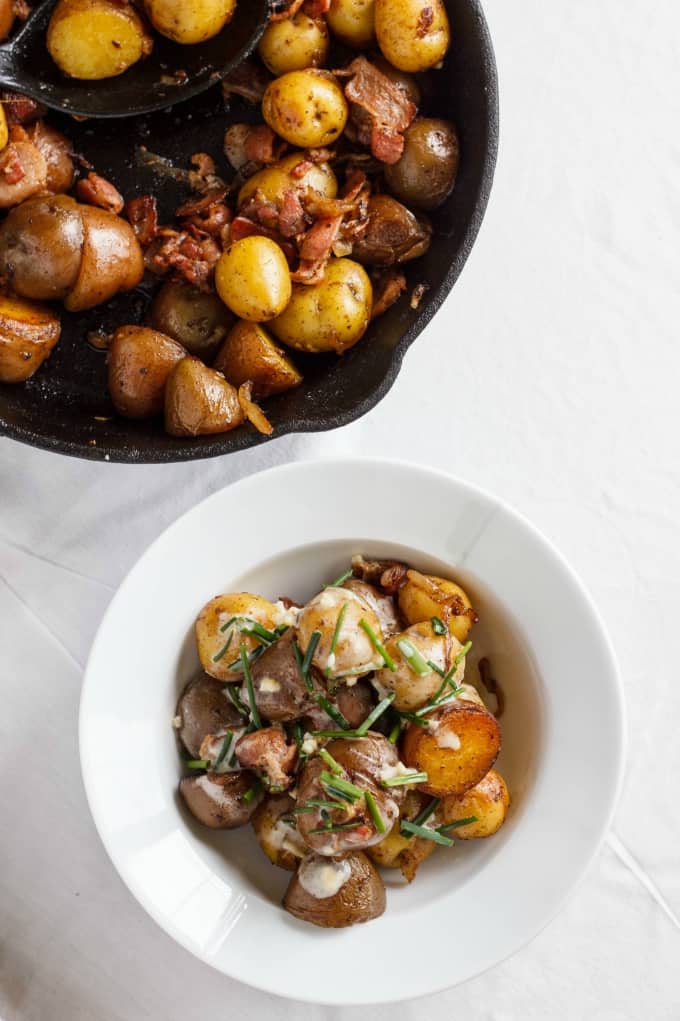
column 21, row 109
column 284, row 9
column 267, row 752
column 424, row 23
column 11, row 167
column 388, row 574
column 244, row 227
column 97, row 191
column 291, row 215
column 379, row 110
column 203, row 178
column 318, row 241
column 253, row 411
column 192, row 259
column 316, row 8
column 387, row 288
column 249, row 147
column 249, row 80
column 205, row 215
column 143, row 216
column 21, row 9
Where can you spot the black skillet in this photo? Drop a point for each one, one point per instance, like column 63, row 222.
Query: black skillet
column 60, row 408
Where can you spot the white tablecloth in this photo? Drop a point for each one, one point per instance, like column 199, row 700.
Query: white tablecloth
column 550, row 377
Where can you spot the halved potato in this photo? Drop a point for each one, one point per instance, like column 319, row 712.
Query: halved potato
column 139, row 363
column 397, row 851
column 279, row 840
column 249, row 353
column 360, row 898
column 199, row 401
column 28, row 332
column 94, row 39
column 424, row 596
column 6, row 20
column 488, row 801
column 112, row 260
column 456, row 750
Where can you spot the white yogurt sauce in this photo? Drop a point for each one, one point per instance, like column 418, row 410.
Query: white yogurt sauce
column 210, row 749
column 269, row 685
column 289, row 616
column 214, row 791
column 285, row 836
column 389, row 772
column 447, row 739
column 310, row 745
column 322, row 878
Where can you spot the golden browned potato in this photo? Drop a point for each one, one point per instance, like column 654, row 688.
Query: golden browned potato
column 56, row 149
column 6, row 21
column 4, row 130
column 294, row 44
column 456, row 750
column 28, row 332
column 30, row 163
column 424, row 596
column 199, row 401
column 196, row 319
column 249, row 353
column 413, row 35
column 112, row 260
column 330, row 316
column 353, row 22
column 488, row 802
column 94, row 39
column 41, row 244
column 397, row 851
column 414, row 689
column 253, row 280
column 217, row 799
column 335, row 892
column 277, row 836
column 353, row 648
column 307, row 108
column 219, row 630
column 189, row 21
column 139, row 363
column 276, row 180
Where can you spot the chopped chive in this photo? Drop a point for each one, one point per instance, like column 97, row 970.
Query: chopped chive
column 223, row 651
column 395, row 732
column 378, row 645
column 332, row 711
column 378, row 820
column 337, row 793
column 255, row 716
column 297, row 734
column 355, row 670
column 334, row 766
column 456, row 824
column 378, row 711
column 335, row 733
column 412, row 718
column 336, row 635
column 437, row 669
column 224, row 750
column 276, row 788
column 251, row 793
column 337, row 783
column 340, row 826
column 402, row 781
column 298, row 659
column 414, row 659
column 426, row 812
column 341, row 580
column 438, row 626
column 235, row 700
column 304, row 810
column 258, row 631
column 313, row 803
column 309, row 652
column 448, row 677
column 237, row 665
column 228, row 624
column 421, row 831
column 197, row 763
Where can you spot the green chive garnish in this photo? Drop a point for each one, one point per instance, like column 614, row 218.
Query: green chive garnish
column 334, row 766
column 309, row 652
column 402, row 781
column 378, row 711
column 341, row 826
column 353, row 671
column 251, row 793
column 224, row 750
column 456, row 824
column 337, row 783
column 416, row 662
column 296, row 728
column 235, row 700
column 378, row 820
column 197, row 764
column 448, row 677
column 412, row 718
column 332, row 711
column 255, row 716
column 228, row 624
column 224, row 649
column 426, row 812
column 395, row 732
column 313, row 803
column 421, row 831
column 336, row 635
column 335, row 733
column 378, row 645
column 438, row 626
column 341, row 580
column 335, row 792
column 299, row 660
column 257, row 631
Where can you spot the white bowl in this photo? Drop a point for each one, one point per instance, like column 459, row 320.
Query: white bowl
column 286, row 532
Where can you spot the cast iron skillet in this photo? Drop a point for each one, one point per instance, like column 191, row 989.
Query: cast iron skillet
column 60, row 408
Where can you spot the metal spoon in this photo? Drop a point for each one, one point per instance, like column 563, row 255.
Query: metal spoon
column 171, row 74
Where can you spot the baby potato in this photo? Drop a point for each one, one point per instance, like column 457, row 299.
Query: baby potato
column 425, row 173
column 253, row 280
column 458, row 747
column 249, row 353
column 280, row 841
column 413, row 35
column 34, row 180
column 196, row 319
column 4, row 130
column 28, row 332
column 294, row 44
column 354, row 650
column 411, row 689
column 41, row 243
column 334, row 893
column 488, row 801
column 330, row 316
column 189, row 21
column 397, row 851
column 216, row 799
column 199, row 401
column 353, row 22
column 94, row 39
column 424, row 596
column 139, row 363
column 307, row 108
column 274, row 181
column 112, row 260
column 228, row 612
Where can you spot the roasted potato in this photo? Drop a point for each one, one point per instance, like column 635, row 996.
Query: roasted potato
column 353, row 22
column 112, row 260
column 424, row 596
column 216, row 799
column 41, row 244
column 199, row 321
column 94, row 39
column 274, row 181
column 252, row 278
column 394, row 234
column 199, row 401
column 330, row 316
column 56, row 150
column 382, row 605
column 6, row 22
column 203, row 709
column 28, row 332
column 353, row 653
column 249, row 353
column 456, row 750
column 412, row 689
column 335, row 893
column 30, row 162
column 219, row 635
column 278, row 838
column 4, row 130
column 294, row 44
column 488, row 801
column 189, row 21
column 425, row 173
column 139, row 363
column 397, row 851
column 413, row 35
column 280, row 692
column 307, row 108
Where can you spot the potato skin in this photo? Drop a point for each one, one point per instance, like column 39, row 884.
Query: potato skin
column 28, row 332
column 253, row 280
column 203, row 709
column 394, row 234
column 34, row 180
column 488, row 800
column 197, row 320
column 307, row 108
column 41, row 243
column 424, row 175
column 353, row 22
column 219, row 611
column 112, row 260
column 278, row 664
column 294, row 44
column 95, row 39
column 453, row 770
column 271, row 838
column 413, row 35
column 56, row 150
column 4, row 130
column 360, row 899
column 6, row 22
column 189, row 21
column 139, row 363
column 411, row 690
column 199, row 401
column 399, row 852
column 330, row 316
column 249, row 353
column 273, row 181
column 216, row 799
column 424, row 596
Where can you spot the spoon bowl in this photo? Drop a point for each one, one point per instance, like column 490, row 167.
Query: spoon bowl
column 152, row 84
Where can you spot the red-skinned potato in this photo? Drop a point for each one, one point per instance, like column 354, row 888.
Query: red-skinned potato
column 139, row 363
column 23, row 173
column 249, row 353
column 216, row 799
column 359, row 898
column 112, row 260
column 28, row 332
column 41, row 244
column 199, row 401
